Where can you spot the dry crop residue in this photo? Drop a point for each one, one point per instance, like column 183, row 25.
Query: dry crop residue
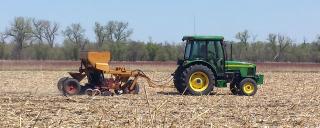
column 30, row 98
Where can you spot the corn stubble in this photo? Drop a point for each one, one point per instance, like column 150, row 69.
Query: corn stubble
column 31, row 98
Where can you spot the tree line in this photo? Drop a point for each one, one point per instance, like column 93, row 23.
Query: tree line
column 30, row 38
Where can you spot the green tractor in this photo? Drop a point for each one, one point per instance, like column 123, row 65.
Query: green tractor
column 205, row 66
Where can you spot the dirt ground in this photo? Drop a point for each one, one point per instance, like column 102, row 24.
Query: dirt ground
column 31, row 98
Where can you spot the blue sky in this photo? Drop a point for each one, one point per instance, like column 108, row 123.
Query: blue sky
column 169, row 20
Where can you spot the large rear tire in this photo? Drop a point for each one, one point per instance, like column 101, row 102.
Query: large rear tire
column 198, row 80
column 177, row 80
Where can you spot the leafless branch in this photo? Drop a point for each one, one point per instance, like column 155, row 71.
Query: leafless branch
column 75, row 33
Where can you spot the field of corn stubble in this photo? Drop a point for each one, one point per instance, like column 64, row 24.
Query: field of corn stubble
column 30, row 98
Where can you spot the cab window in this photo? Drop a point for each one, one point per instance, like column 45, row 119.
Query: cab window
column 199, row 50
column 187, row 51
column 219, row 49
column 211, row 51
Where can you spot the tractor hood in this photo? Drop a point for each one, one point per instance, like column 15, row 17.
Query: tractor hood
column 239, row 64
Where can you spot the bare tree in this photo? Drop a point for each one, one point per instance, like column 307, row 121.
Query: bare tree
column 254, row 38
column 278, row 45
column 317, row 43
column 75, row 34
column 37, row 30
column 304, row 40
column 21, row 31
column 101, row 33
column 272, row 38
column 3, row 38
column 283, row 42
column 244, row 38
column 110, row 29
column 2, row 44
column 122, row 32
column 50, row 32
column 44, row 29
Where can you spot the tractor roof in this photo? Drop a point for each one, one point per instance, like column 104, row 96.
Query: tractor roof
column 202, row 38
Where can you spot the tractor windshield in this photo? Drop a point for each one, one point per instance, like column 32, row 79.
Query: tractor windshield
column 204, row 50
column 196, row 50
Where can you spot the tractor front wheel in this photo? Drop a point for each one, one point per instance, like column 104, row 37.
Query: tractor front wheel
column 248, row 87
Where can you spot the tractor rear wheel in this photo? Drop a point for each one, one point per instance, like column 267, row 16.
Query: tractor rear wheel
column 198, row 79
column 177, row 80
column 248, row 87
column 71, row 87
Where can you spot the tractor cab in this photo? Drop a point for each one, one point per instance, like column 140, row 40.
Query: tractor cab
column 209, row 49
